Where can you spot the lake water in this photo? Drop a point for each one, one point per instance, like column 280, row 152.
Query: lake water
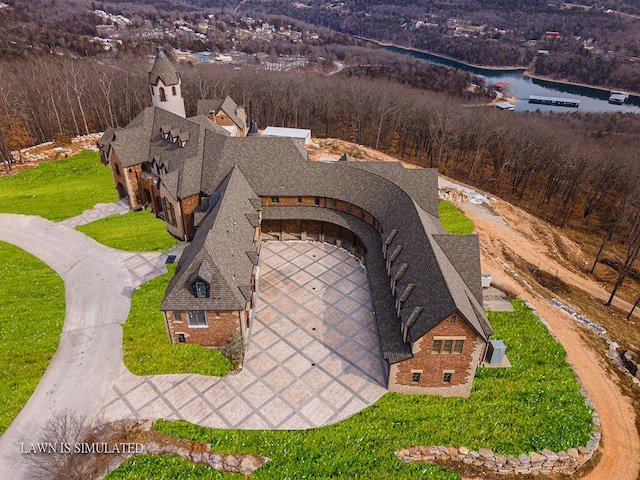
column 591, row 99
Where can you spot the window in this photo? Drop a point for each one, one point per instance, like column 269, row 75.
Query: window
column 333, row 203
column 176, row 316
column 117, row 169
column 447, row 345
column 201, row 290
column 181, row 338
column 299, row 199
column 415, row 377
column 362, row 212
column 173, row 91
column 197, row 318
column 216, row 314
column 163, row 96
column 316, row 201
column 446, row 377
column 298, row 223
column 169, row 212
column 275, row 199
column 349, row 207
column 453, row 319
column 269, row 223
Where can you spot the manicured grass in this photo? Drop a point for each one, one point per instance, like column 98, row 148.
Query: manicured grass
column 174, row 468
column 32, row 309
column 147, row 350
column 133, row 231
column 58, row 190
column 453, row 220
column 529, row 407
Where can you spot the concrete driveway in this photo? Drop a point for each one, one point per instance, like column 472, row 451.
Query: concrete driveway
column 313, row 356
column 84, row 368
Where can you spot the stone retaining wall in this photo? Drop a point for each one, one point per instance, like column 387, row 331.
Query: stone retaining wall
column 545, row 462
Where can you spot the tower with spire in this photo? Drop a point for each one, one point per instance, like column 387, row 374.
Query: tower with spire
column 165, row 85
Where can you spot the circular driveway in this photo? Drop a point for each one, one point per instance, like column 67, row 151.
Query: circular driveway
column 313, row 356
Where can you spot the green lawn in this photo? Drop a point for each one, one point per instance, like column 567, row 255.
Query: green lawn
column 147, row 350
column 133, row 231
column 32, row 309
column 58, row 190
column 453, row 220
column 532, row 406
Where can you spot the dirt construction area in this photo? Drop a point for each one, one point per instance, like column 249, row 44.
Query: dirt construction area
column 509, row 235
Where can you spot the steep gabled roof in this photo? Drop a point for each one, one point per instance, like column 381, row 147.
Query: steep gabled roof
column 221, row 243
column 228, row 106
column 462, row 252
column 163, row 70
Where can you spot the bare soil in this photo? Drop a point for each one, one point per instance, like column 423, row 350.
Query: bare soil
column 49, row 152
column 511, row 235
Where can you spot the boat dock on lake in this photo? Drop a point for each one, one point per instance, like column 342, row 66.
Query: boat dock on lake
column 555, row 101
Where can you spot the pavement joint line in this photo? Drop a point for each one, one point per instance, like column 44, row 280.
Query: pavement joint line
column 213, row 410
column 207, row 388
column 257, row 411
column 161, row 396
column 123, row 397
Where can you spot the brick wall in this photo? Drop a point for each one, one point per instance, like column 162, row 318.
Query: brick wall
column 177, row 230
column 216, row 334
column 188, row 205
column 432, row 366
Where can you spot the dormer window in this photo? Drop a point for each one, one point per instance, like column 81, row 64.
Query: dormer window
column 201, row 289
column 163, row 96
column 173, row 91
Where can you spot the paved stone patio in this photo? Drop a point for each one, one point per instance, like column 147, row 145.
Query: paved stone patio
column 313, row 356
column 99, row 211
column 145, row 266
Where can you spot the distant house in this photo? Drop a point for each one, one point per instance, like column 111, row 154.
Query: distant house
column 228, row 194
column 225, row 113
column 300, row 135
column 550, row 34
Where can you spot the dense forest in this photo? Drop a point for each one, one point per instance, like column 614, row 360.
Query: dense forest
column 574, row 170
column 595, row 45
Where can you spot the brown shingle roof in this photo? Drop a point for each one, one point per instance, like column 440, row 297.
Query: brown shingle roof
column 163, row 70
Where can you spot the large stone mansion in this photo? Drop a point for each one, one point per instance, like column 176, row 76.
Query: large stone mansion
column 225, row 188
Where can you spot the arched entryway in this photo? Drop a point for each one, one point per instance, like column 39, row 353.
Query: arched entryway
column 122, row 192
column 146, row 198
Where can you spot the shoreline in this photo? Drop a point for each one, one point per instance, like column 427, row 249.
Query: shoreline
column 524, row 70
column 529, row 74
column 439, row 55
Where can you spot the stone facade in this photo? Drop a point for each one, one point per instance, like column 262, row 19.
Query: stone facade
column 220, row 327
column 425, row 372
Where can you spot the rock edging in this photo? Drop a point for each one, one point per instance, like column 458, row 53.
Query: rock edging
column 154, row 443
column 544, row 463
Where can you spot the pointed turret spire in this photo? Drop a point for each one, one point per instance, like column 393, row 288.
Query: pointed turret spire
column 253, row 129
column 165, row 85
